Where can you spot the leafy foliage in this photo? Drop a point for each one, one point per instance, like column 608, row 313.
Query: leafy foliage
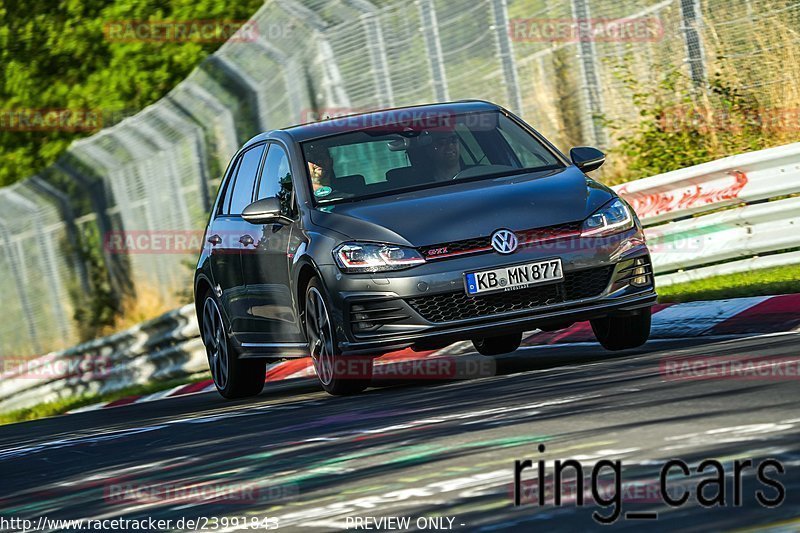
column 55, row 55
column 680, row 125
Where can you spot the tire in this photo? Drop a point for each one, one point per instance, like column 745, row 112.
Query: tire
column 233, row 377
column 498, row 345
column 339, row 375
column 622, row 332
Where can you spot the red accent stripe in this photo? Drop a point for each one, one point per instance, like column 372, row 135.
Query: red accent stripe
column 778, row 313
column 192, row 387
column 462, row 252
column 404, row 354
column 122, row 401
column 288, row 368
column 489, row 248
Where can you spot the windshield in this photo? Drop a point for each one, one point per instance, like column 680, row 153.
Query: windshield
column 382, row 160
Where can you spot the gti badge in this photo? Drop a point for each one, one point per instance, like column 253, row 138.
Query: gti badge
column 504, row 241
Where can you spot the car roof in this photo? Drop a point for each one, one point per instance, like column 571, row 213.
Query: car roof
column 357, row 121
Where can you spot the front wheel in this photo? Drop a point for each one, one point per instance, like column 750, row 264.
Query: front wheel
column 233, row 377
column 339, row 375
column 498, row 345
column 622, row 332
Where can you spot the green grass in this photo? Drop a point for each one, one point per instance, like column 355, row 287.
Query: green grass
column 778, row 280
column 67, row 404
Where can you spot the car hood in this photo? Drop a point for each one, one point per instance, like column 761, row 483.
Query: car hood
column 467, row 210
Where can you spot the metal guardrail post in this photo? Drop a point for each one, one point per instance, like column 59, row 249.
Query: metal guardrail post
column 377, row 52
column 46, row 189
column 200, row 143
column 50, row 274
column 695, row 55
column 591, row 121
column 506, row 53
column 430, row 32
column 13, row 260
column 335, row 93
column 240, row 82
column 293, row 83
column 116, row 276
column 229, row 143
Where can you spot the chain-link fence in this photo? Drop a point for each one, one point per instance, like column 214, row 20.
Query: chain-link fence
column 570, row 67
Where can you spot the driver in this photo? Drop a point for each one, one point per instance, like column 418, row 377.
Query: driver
column 445, row 155
column 320, row 166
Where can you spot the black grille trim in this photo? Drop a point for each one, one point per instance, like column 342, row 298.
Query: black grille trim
column 451, row 306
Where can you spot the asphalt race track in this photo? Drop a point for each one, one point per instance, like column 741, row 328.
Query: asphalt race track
column 429, row 449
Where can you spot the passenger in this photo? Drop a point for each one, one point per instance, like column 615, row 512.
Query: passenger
column 320, row 167
column 446, row 155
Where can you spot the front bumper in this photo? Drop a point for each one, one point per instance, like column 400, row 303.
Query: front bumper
column 426, row 306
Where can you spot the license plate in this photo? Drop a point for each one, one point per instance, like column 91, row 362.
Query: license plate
column 513, row 277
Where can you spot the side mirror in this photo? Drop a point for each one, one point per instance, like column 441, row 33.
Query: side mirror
column 587, row 158
column 264, row 211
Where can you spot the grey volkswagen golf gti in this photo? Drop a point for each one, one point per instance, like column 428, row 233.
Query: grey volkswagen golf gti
column 412, row 227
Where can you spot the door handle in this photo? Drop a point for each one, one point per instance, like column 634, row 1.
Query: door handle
column 215, row 240
column 247, row 240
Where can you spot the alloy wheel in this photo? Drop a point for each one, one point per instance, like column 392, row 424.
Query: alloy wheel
column 216, row 343
column 320, row 335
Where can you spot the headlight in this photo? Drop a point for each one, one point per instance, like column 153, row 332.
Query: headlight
column 361, row 257
column 609, row 219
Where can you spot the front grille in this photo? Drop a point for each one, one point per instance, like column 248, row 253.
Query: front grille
column 477, row 245
column 459, row 306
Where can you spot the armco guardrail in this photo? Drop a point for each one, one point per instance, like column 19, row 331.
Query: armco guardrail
column 692, row 239
column 738, row 233
column 732, row 180
column 161, row 349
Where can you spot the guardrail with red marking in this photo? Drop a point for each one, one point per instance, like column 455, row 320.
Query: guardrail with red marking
column 738, row 179
column 721, row 217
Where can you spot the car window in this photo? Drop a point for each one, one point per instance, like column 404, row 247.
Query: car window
column 275, row 172
column 530, row 151
column 472, row 153
column 370, row 159
column 226, row 189
column 381, row 160
column 276, row 178
column 245, row 180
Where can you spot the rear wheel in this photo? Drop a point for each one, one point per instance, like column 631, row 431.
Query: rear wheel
column 338, row 374
column 498, row 345
column 233, row 377
column 622, row 332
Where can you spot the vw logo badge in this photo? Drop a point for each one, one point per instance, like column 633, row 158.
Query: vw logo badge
column 504, row 241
